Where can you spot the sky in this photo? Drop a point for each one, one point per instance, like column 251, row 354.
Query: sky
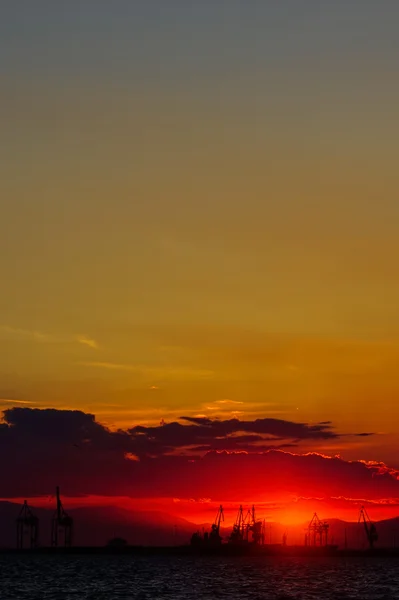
column 199, row 220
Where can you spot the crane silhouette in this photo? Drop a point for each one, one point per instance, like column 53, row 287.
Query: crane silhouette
column 369, row 527
column 62, row 523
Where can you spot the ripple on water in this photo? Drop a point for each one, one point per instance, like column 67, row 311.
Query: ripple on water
column 117, row 578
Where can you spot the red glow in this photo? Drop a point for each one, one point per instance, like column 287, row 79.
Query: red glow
column 288, row 511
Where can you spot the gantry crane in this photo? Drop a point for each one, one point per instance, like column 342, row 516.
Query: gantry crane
column 317, row 532
column 369, row 527
column 27, row 525
column 245, row 524
column 62, row 524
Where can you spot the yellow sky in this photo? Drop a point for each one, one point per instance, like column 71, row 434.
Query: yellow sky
column 167, row 243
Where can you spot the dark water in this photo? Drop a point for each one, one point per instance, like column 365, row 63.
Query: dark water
column 109, row 578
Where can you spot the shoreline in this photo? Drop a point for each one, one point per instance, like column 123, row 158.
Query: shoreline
column 226, row 550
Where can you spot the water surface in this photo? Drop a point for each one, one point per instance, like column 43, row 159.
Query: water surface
column 162, row 578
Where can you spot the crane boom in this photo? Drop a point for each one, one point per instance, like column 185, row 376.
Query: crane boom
column 219, row 517
column 369, row 527
column 59, row 505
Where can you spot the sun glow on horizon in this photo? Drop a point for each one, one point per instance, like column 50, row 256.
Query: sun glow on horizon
column 294, row 513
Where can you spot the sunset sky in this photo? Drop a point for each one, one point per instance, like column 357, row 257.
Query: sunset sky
column 200, row 226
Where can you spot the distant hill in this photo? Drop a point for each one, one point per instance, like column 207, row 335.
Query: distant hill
column 340, row 531
column 97, row 525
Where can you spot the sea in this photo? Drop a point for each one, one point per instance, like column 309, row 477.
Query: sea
column 187, row 578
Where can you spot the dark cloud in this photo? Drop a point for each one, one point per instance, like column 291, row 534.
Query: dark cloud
column 43, row 448
column 211, row 434
column 204, row 434
column 235, row 444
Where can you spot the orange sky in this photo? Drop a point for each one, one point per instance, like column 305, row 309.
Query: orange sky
column 195, row 226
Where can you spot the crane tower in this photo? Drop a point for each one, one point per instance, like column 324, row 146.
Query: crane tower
column 27, row 526
column 317, row 532
column 61, row 525
column 369, row 527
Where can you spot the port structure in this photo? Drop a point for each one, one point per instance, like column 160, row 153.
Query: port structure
column 214, row 536
column 61, row 525
column 257, row 528
column 246, row 524
column 239, row 531
column 27, row 527
column 369, row 527
column 317, row 532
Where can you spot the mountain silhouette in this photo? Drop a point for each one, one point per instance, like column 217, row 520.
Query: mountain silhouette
column 95, row 526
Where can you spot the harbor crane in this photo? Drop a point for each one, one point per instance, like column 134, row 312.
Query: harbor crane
column 245, row 524
column 369, row 527
column 27, row 526
column 214, row 535
column 317, row 532
column 238, row 533
column 61, row 525
column 257, row 527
